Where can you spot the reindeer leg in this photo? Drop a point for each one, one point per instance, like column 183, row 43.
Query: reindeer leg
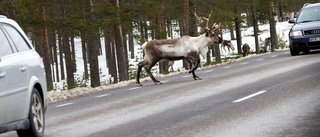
column 197, row 58
column 140, row 65
column 189, row 63
column 224, row 48
column 195, row 77
column 148, row 70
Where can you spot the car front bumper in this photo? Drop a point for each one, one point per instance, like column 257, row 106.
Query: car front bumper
column 305, row 42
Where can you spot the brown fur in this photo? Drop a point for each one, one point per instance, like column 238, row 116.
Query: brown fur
column 150, row 48
column 267, row 44
column 153, row 52
column 228, row 44
column 245, row 49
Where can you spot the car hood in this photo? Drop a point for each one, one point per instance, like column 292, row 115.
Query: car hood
column 306, row 26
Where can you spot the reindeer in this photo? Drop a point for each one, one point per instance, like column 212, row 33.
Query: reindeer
column 170, row 65
column 245, row 49
column 228, row 44
column 186, row 47
column 267, row 44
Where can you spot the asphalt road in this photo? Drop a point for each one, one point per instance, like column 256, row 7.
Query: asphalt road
column 273, row 95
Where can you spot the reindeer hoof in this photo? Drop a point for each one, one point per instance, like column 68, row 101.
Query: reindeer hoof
column 197, row 78
column 138, row 83
column 157, row 83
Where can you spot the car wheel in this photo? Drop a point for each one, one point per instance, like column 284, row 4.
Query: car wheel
column 294, row 52
column 36, row 117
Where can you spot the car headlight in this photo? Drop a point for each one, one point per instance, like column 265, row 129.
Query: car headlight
column 295, row 33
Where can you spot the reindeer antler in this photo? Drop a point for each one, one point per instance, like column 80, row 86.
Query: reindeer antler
column 200, row 18
column 215, row 26
column 207, row 24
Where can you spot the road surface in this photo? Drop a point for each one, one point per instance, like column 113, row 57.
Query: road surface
column 273, row 95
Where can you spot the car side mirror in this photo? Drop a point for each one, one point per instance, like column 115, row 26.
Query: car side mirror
column 292, row 21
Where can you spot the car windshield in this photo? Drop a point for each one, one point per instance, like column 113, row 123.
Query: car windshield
column 309, row 15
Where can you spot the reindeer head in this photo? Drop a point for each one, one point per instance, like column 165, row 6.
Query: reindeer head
column 210, row 32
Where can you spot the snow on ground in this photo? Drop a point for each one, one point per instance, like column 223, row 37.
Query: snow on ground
column 61, row 94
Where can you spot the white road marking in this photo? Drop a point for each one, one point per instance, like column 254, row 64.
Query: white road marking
column 186, row 76
column 244, row 63
column 134, row 88
column 164, row 81
column 227, row 67
column 66, row 104
column 274, row 56
column 260, row 59
column 250, row 96
column 103, row 95
column 207, row 71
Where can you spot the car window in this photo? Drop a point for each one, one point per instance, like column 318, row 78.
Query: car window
column 17, row 39
column 309, row 14
column 4, row 46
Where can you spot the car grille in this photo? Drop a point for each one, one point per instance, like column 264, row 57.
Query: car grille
column 312, row 32
column 313, row 44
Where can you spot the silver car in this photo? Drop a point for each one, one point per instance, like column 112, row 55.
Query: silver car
column 23, row 89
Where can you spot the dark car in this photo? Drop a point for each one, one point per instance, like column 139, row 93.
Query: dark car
column 305, row 33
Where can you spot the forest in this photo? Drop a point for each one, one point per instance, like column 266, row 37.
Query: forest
column 53, row 25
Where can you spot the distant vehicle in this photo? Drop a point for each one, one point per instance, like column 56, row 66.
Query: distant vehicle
column 23, row 89
column 305, row 33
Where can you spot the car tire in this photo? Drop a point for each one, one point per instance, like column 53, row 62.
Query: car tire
column 294, row 52
column 36, row 117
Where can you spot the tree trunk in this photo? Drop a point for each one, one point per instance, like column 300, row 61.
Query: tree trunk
column 120, row 49
column 217, row 53
column 125, row 46
column 208, row 56
column 216, row 49
column 67, row 52
column 93, row 53
column 230, row 26
column 93, row 41
column 255, row 28
column 61, row 61
column 142, row 26
column 43, row 46
column 186, row 17
column 110, row 55
column 73, row 54
column 146, row 35
column 238, row 29
column 169, row 28
column 131, row 44
column 185, row 27
column 53, row 50
column 280, row 17
column 84, row 56
column 69, row 64
column 192, row 29
column 55, row 56
column 273, row 31
column 161, row 34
